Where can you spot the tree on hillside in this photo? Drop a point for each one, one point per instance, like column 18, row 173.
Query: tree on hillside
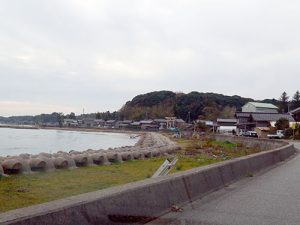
column 211, row 112
column 283, row 102
column 296, row 100
column 98, row 116
column 71, row 116
column 228, row 112
column 60, row 118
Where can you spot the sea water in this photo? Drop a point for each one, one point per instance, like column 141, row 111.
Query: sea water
column 34, row 141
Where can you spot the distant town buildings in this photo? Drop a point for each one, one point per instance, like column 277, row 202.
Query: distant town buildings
column 153, row 125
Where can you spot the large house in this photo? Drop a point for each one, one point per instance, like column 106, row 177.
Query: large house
column 251, row 120
column 259, row 115
column 260, row 107
column 296, row 114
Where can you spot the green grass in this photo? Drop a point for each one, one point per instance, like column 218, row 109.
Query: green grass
column 18, row 191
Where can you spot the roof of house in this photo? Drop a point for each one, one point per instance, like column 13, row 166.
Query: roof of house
column 180, row 121
column 271, row 117
column 242, row 114
column 295, row 110
column 263, row 105
column 98, row 120
column 160, row 120
column 146, row 121
column 263, row 128
column 135, row 123
column 220, row 120
column 126, row 121
column 70, row 120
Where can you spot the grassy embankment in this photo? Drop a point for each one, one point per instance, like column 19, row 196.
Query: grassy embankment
column 18, row 191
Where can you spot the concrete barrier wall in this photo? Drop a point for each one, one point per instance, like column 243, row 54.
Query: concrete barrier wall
column 145, row 200
column 264, row 144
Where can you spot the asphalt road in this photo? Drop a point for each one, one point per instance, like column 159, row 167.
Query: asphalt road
column 269, row 198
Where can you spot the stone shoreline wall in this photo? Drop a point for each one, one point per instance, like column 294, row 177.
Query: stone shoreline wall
column 149, row 145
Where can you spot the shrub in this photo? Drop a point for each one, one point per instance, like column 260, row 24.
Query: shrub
column 282, row 124
column 288, row 133
column 179, row 167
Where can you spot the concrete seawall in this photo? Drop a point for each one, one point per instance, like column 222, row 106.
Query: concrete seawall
column 145, row 200
column 263, row 144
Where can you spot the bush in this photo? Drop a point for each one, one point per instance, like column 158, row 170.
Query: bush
column 282, row 124
column 288, row 133
column 179, row 167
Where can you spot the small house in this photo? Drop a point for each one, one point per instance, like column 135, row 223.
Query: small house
column 110, row 124
column 70, row 123
column 162, row 123
column 226, row 125
column 124, row 124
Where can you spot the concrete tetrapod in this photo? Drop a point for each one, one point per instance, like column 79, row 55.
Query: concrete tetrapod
column 71, row 161
column 13, row 165
column 147, row 154
column 41, row 163
column 100, row 159
column 44, row 154
column 60, row 163
column 114, row 157
column 127, row 156
column 82, row 160
column 24, row 156
column 156, row 153
column 1, row 170
column 138, row 155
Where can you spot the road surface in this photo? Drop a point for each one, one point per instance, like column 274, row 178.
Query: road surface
column 269, row 198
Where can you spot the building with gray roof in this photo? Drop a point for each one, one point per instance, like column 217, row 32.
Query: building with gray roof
column 249, row 121
column 259, row 107
column 296, row 114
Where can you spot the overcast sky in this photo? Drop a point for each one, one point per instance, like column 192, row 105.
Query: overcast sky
column 66, row 55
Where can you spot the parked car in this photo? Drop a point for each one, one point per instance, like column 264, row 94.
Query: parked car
column 250, row 134
column 241, row 133
column 279, row 134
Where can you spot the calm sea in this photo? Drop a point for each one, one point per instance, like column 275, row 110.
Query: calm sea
column 33, row 141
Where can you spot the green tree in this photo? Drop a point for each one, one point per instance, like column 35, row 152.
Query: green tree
column 71, row 116
column 282, row 124
column 60, row 119
column 284, row 102
column 98, row 116
column 296, row 100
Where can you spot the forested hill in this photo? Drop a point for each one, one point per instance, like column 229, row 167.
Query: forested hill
column 193, row 105
column 158, row 104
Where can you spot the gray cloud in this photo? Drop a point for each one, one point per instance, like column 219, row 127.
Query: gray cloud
column 66, row 55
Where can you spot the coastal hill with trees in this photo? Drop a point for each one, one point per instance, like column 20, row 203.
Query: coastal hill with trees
column 189, row 106
column 160, row 104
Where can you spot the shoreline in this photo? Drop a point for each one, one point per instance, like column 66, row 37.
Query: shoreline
column 84, row 129
column 138, row 135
